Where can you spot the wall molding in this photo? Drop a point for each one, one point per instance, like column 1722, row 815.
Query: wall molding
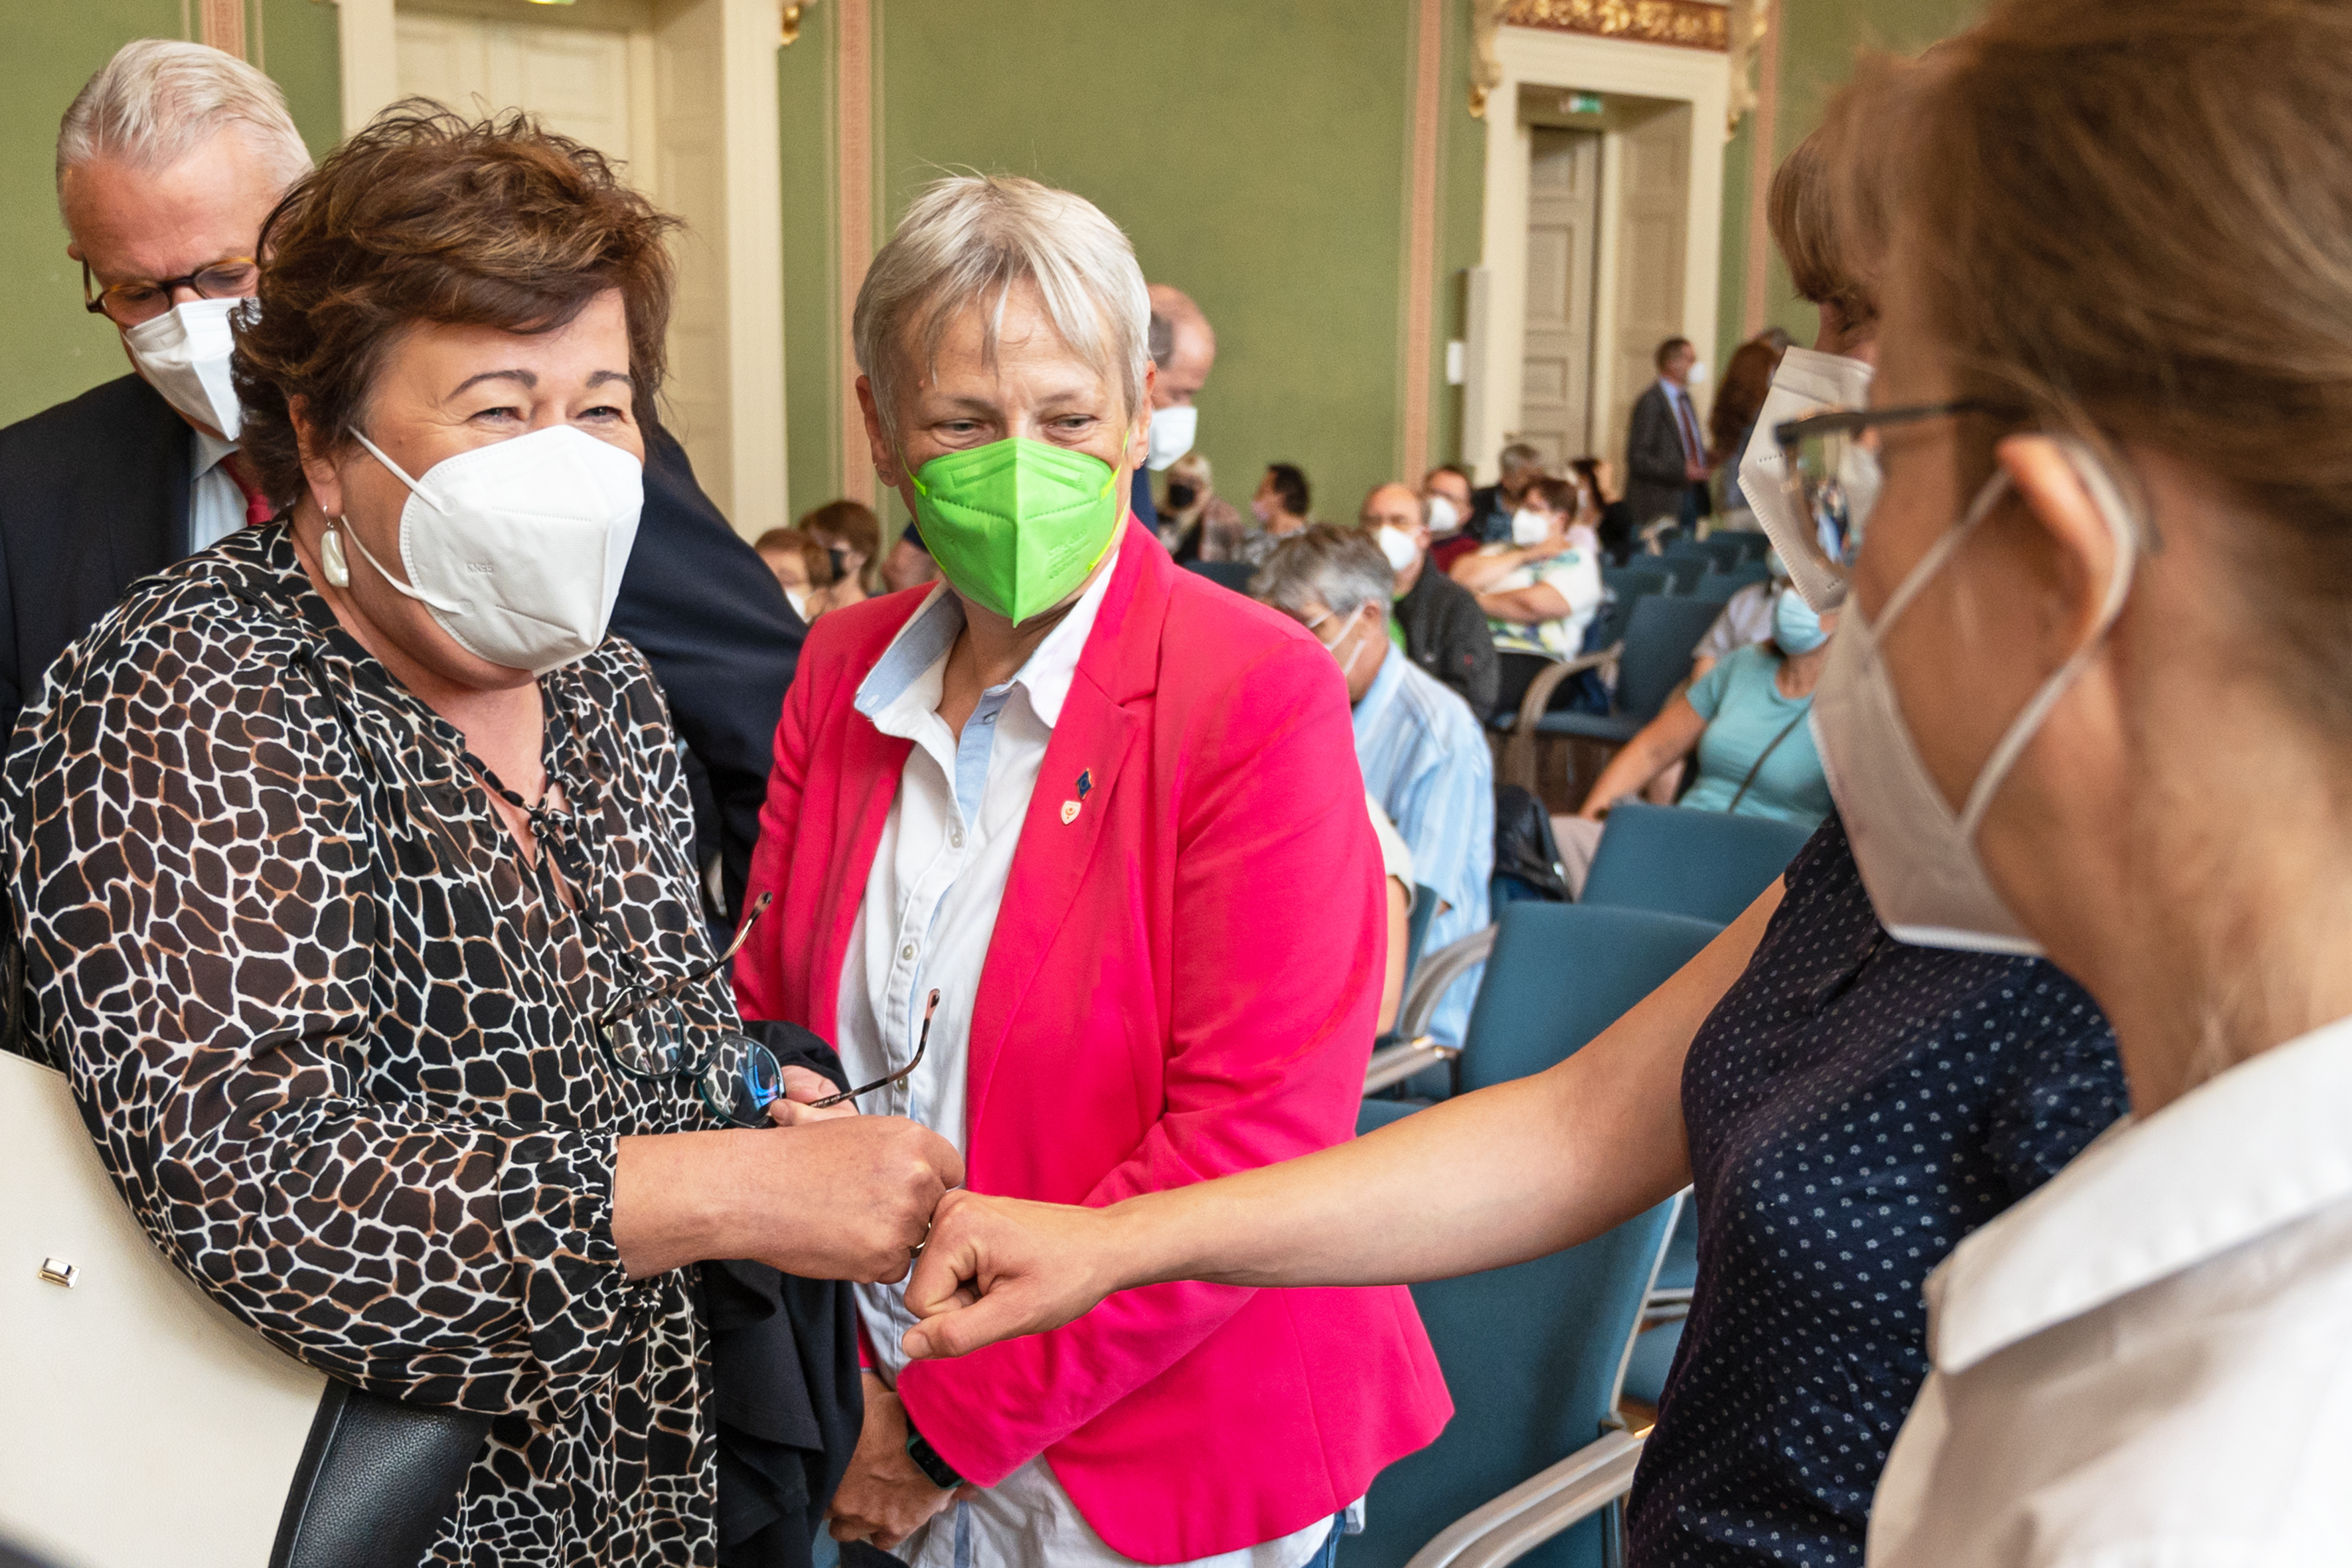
column 1684, row 24
column 1421, row 235
column 1565, row 58
column 853, row 201
column 1763, row 161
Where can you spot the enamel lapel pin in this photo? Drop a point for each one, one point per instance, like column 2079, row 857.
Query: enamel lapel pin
column 1070, row 808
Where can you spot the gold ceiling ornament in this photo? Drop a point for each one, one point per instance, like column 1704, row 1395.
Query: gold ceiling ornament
column 1687, row 24
column 1485, row 64
column 1750, row 21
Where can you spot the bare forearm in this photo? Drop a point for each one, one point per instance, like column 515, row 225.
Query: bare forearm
column 1524, row 606
column 1475, row 572
column 675, row 1200
column 1492, row 1178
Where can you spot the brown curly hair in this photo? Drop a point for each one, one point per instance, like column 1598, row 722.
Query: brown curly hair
column 426, row 215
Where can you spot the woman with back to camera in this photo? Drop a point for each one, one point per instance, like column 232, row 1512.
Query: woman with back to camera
column 1077, row 840
column 351, row 863
column 1806, row 1051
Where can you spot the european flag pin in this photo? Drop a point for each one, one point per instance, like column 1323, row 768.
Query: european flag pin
column 1085, row 782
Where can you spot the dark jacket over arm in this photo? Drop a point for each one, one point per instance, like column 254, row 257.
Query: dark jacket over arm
column 1446, row 637
column 709, row 617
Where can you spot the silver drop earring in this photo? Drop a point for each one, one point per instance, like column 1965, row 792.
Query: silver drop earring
column 331, row 556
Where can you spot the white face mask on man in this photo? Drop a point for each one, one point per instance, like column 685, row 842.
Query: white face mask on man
column 516, row 548
column 1529, row 527
column 1397, row 546
column 1444, row 518
column 1918, row 859
column 1173, row 434
column 184, row 354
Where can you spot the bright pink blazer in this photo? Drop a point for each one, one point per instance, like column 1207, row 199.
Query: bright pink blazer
column 1181, row 983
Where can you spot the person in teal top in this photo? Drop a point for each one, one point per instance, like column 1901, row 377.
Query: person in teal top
column 1746, row 719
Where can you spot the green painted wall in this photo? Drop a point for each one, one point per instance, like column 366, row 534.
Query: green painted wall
column 53, row 348
column 1255, row 154
column 1819, row 41
column 815, row 385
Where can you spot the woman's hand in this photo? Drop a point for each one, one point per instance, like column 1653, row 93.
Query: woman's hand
column 802, row 1087
column 884, row 1498
column 842, row 1198
column 999, row 1268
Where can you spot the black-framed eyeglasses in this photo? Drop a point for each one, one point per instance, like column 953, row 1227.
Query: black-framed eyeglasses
column 645, row 1036
column 1830, row 475
column 129, row 304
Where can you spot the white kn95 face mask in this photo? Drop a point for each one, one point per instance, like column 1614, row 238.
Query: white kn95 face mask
column 516, row 548
column 184, row 354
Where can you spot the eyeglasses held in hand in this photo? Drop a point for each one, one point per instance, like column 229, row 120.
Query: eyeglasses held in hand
column 922, row 1044
column 645, row 1036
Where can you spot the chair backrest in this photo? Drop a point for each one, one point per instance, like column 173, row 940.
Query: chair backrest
column 1729, row 550
column 1559, row 974
column 1633, row 581
column 1425, row 901
column 1752, row 546
column 1706, row 864
column 1659, row 636
column 1684, row 568
column 1233, row 575
column 1715, row 587
column 1533, row 1356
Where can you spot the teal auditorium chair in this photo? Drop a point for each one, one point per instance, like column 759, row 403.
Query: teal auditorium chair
column 1233, row 575
column 1707, row 864
column 1661, row 632
column 1560, row 974
column 1533, row 1356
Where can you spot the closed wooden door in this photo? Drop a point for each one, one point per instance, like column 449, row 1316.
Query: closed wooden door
column 576, row 80
column 1652, row 235
column 1563, row 226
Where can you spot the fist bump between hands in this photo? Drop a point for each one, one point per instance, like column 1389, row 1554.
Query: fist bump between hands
column 995, row 1268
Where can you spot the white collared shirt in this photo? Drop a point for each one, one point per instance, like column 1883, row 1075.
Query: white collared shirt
column 215, row 506
column 924, row 924
column 2148, row 1362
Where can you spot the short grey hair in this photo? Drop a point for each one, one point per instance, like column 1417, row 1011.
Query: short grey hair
column 971, row 240
column 1518, row 457
column 1339, row 568
column 157, row 100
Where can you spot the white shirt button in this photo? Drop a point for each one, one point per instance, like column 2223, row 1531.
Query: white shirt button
column 908, row 950
column 955, row 838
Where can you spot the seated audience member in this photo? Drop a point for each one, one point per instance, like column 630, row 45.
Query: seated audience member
column 1729, row 424
column 167, row 163
column 1492, row 506
column 405, row 993
column 1741, row 1076
column 1540, row 590
column 1446, row 489
column 1436, row 621
column 1099, row 826
column 1280, row 508
column 852, row 541
column 803, row 568
column 1197, row 523
column 1614, row 526
column 1423, row 753
column 1745, row 720
column 1746, row 619
column 1396, row 869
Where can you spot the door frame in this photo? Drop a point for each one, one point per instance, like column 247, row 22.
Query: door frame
column 744, row 68
column 1539, row 57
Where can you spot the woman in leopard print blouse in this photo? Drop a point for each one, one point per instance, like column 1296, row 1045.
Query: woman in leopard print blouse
column 324, row 983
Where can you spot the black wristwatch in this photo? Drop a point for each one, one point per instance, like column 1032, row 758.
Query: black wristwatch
column 926, row 1460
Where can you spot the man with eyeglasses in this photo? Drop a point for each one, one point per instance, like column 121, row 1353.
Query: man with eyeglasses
column 169, row 162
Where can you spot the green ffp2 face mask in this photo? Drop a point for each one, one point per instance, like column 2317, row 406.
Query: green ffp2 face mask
column 1017, row 524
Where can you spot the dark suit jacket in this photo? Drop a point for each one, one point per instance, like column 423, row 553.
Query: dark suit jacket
column 94, row 496
column 1655, row 480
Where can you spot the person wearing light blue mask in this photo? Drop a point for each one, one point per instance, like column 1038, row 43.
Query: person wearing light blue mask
column 1746, row 722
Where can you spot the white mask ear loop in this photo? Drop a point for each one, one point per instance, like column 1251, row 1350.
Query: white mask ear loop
column 446, row 606
column 2027, row 723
